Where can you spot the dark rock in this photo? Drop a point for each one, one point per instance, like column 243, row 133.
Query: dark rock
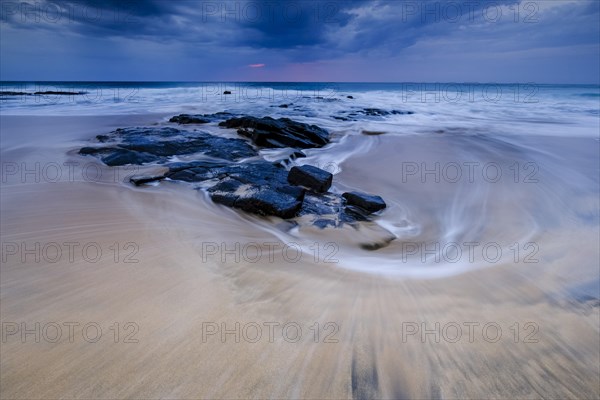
column 89, row 151
column 353, row 213
column 374, row 112
column 349, row 97
column 186, row 175
column 166, row 142
column 268, row 202
column 179, row 166
column 340, row 118
column 140, row 180
column 124, row 157
column 254, row 199
column 227, row 92
column 322, row 204
column 254, row 186
column 60, row 93
column 260, row 173
column 294, row 191
column 329, row 207
column 114, row 156
column 376, row 245
column 200, row 118
column 367, row 202
column 283, row 106
column 282, row 132
column 224, row 192
column 368, row 112
column 311, row 177
column 189, row 119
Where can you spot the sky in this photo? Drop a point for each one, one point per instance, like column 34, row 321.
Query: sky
column 551, row 41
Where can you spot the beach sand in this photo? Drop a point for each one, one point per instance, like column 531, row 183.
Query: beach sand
column 167, row 304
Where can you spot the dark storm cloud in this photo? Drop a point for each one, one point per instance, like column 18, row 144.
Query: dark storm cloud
column 222, row 34
column 261, row 24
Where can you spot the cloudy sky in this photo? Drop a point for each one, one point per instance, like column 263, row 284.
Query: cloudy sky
column 550, row 41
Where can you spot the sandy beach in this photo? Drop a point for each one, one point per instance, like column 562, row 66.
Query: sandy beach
column 146, row 318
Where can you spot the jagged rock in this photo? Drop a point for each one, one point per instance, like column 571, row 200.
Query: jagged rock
column 311, row 177
column 367, row 202
column 282, row 132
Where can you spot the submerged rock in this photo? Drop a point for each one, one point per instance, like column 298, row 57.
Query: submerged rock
column 59, row 93
column 142, row 179
column 282, row 132
column 311, row 177
column 368, row 112
column 372, row 133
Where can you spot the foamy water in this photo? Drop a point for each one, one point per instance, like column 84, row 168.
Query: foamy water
column 474, row 176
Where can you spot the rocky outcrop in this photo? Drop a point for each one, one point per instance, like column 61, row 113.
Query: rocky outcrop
column 145, row 145
column 282, row 132
column 233, row 174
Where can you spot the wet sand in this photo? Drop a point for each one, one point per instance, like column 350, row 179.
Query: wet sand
column 166, row 304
